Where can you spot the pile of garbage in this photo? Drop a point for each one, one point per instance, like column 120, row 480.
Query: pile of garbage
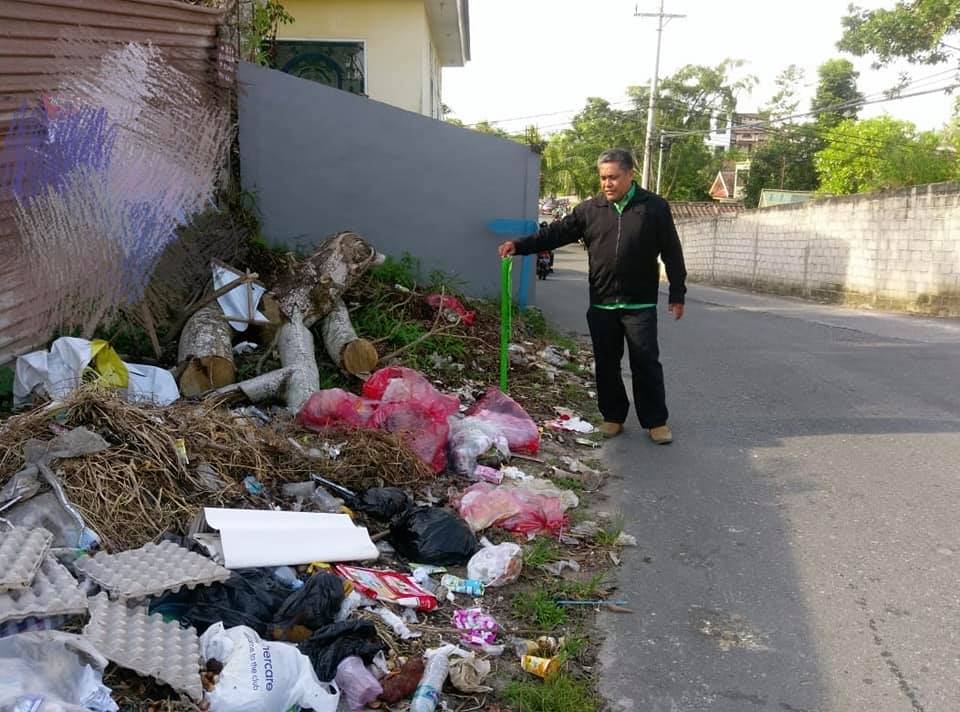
column 264, row 543
column 248, row 559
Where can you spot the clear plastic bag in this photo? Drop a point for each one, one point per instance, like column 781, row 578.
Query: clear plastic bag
column 496, row 565
column 510, row 419
column 50, row 670
column 470, row 438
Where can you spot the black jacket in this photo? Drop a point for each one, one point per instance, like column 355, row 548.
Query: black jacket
column 623, row 249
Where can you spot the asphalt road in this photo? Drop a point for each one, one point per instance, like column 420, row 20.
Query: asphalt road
column 799, row 543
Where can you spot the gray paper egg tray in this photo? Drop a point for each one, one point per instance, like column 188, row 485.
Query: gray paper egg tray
column 131, row 638
column 21, row 553
column 53, row 592
column 151, row 570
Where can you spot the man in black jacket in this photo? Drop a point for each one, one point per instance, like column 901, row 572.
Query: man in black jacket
column 626, row 229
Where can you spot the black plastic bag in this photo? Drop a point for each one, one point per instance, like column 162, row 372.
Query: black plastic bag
column 331, row 644
column 250, row 597
column 383, row 503
column 314, row 605
column 433, row 535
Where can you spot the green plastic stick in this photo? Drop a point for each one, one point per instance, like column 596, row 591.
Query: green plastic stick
column 506, row 311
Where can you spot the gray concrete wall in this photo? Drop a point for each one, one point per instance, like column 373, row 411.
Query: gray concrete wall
column 894, row 249
column 322, row 160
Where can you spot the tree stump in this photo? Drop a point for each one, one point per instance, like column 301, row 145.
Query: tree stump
column 205, row 353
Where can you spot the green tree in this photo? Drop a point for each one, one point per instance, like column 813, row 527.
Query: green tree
column 837, row 88
column 913, row 29
column 880, row 153
column 784, row 162
column 687, row 101
column 785, row 101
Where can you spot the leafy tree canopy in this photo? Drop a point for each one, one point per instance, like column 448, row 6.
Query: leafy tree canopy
column 837, row 88
column 880, row 153
column 915, row 30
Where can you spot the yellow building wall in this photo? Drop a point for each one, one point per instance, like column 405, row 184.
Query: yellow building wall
column 397, row 44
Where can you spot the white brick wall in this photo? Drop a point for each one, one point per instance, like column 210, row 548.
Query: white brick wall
column 897, row 248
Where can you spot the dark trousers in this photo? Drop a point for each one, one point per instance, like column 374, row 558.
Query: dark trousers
column 608, row 330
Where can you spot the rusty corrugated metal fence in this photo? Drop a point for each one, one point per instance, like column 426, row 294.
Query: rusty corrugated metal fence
column 29, row 33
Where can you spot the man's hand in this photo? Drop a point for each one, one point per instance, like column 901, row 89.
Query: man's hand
column 507, row 249
column 676, row 310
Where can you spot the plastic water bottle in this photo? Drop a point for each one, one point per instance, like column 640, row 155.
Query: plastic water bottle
column 427, row 695
column 288, row 577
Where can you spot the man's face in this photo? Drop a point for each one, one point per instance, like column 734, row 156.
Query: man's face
column 614, row 181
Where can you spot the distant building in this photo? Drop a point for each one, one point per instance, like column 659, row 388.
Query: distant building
column 769, row 198
column 730, row 185
column 388, row 50
column 743, row 131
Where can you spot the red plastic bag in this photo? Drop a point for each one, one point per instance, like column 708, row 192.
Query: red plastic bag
column 539, row 513
column 452, row 304
column 399, row 384
column 509, row 418
column 334, row 408
column 512, row 508
column 423, row 431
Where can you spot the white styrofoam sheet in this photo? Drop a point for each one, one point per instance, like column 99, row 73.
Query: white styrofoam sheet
column 252, row 537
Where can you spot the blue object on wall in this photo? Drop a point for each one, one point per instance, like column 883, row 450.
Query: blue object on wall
column 512, row 227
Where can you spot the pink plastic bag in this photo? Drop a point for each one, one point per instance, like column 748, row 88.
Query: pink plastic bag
column 502, row 411
column 423, row 431
column 334, row 408
column 484, row 504
column 539, row 514
column 454, row 305
column 512, row 508
column 399, row 384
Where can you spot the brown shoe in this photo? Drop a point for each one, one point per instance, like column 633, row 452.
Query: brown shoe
column 610, row 430
column 661, row 435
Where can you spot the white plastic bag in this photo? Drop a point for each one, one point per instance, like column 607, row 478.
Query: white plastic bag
column 496, row 565
column 262, row 676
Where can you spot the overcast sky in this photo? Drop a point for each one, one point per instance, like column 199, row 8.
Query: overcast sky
column 538, row 57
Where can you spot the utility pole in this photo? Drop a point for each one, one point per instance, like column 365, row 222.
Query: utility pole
column 661, row 16
column 663, row 141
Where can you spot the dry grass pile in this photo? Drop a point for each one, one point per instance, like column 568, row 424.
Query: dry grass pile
column 139, row 488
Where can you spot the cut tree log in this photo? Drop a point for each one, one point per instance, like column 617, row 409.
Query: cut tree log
column 295, row 345
column 354, row 355
column 313, row 286
column 205, row 354
column 309, row 290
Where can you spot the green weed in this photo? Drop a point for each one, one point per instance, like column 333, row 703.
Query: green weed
column 560, row 693
column 610, row 533
column 539, row 608
column 587, row 590
column 541, row 551
column 403, row 271
column 569, row 483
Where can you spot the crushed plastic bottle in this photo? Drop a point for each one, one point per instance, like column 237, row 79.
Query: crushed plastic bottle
column 456, row 584
column 324, row 501
column 427, row 695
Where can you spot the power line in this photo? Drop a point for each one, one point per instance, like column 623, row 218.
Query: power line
column 679, row 103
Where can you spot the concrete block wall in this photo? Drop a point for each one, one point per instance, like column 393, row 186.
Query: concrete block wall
column 894, row 249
